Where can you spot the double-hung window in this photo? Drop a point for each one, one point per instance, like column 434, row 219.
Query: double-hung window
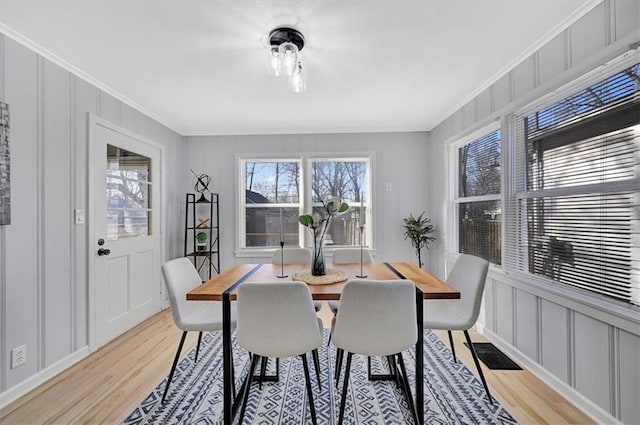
column 477, row 195
column 274, row 192
column 577, row 180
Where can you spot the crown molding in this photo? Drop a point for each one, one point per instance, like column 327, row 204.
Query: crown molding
column 29, row 44
column 550, row 35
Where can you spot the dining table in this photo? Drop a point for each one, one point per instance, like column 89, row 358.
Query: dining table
column 223, row 288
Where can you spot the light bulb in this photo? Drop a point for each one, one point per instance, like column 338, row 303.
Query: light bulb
column 274, row 61
column 297, row 83
column 288, row 57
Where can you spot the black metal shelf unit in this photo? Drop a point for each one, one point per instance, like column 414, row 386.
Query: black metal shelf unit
column 202, row 233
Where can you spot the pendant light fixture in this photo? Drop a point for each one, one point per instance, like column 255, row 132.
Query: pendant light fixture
column 285, row 44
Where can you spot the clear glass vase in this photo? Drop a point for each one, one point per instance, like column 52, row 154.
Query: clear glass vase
column 317, row 263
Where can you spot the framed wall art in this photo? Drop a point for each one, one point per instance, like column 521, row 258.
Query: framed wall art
column 5, row 166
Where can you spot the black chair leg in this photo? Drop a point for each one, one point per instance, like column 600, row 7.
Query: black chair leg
column 307, row 379
column 175, row 363
column 263, row 370
column 316, row 363
column 247, row 387
column 344, row 388
column 453, row 348
column 198, row 346
column 407, row 388
column 393, row 369
column 339, row 356
column 475, row 360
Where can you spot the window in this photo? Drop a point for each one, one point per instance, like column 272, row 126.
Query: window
column 477, row 197
column 577, row 183
column 277, row 191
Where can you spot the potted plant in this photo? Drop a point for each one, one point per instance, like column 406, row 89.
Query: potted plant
column 201, row 238
column 418, row 230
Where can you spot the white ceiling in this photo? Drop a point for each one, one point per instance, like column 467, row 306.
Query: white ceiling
column 200, row 67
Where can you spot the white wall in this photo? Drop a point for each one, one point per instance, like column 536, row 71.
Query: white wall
column 589, row 355
column 399, row 159
column 43, row 254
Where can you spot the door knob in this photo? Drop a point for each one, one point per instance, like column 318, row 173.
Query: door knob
column 104, row 251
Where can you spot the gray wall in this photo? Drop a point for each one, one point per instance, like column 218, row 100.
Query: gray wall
column 43, row 254
column 588, row 354
column 399, row 159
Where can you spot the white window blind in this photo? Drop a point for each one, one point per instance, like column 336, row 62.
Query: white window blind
column 479, row 211
column 577, row 177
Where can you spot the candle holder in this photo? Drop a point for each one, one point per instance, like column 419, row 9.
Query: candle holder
column 282, row 275
column 361, row 275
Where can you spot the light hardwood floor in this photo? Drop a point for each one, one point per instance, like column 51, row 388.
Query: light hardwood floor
column 104, row 387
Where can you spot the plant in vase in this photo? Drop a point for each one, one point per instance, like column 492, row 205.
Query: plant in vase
column 318, row 224
column 418, row 230
column 201, row 238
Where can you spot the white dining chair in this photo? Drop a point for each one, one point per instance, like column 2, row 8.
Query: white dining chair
column 277, row 320
column 348, row 256
column 181, row 277
column 294, row 256
column 468, row 276
column 377, row 318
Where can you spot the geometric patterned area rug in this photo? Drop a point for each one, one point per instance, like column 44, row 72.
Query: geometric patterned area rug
column 452, row 394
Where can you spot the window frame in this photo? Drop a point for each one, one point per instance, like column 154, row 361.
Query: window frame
column 455, row 199
column 305, row 195
column 517, row 190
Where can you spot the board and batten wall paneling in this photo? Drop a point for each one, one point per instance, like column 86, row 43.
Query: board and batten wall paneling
column 590, row 361
column 555, row 339
column 56, row 207
column 43, row 253
column 398, row 158
column 21, row 315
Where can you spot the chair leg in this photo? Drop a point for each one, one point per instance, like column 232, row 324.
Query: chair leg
column 339, row 356
column 453, row 348
column 407, row 388
column 198, row 346
column 344, row 388
column 307, row 379
column 175, row 363
column 393, row 369
column 475, row 360
column 247, row 388
column 316, row 363
column 263, row 371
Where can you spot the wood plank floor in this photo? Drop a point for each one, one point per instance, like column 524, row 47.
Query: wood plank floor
column 104, row 387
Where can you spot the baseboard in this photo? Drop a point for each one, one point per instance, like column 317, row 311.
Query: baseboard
column 592, row 410
column 17, row 391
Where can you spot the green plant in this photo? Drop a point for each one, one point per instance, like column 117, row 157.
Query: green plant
column 201, row 236
column 418, row 230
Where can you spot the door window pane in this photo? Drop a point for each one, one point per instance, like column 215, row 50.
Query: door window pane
column 128, row 194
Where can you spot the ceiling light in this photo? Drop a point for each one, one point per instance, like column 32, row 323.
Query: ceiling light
column 285, row 44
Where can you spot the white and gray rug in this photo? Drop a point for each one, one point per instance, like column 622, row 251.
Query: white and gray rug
column 453, row 395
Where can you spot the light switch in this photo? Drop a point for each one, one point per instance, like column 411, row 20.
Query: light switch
column 389, row 187
column 79, row 216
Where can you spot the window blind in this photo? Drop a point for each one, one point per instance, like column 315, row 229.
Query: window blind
column 576, row 184
column 479, row 211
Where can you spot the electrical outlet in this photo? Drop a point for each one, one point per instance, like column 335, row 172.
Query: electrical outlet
column 18, row 356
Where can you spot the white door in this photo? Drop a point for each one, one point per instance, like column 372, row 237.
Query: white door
column 124, row 210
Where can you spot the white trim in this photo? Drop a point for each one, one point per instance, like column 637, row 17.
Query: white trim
column 483, row 198
column 630, row 185
column 28, row 43
column 588, row 407
column 558, row 29
column 17, row 391
column 304, row 160
column 95, row 121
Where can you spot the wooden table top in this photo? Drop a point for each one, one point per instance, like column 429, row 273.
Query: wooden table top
column 212, row 290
